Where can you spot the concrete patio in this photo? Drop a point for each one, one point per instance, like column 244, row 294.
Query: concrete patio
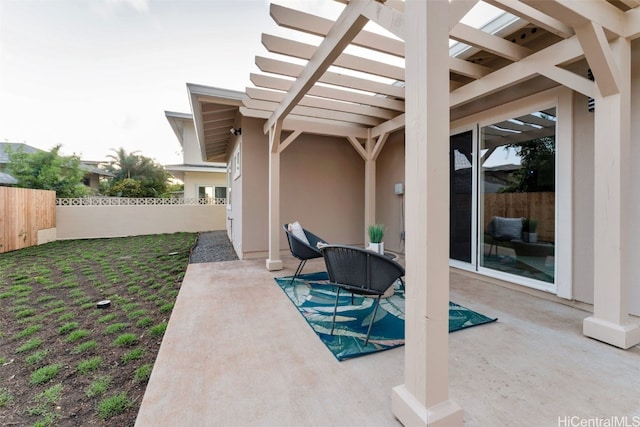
column 237, row 353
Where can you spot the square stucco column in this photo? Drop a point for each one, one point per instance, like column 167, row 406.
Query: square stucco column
column 610, row 322
column 274, row 262
column 423, row 400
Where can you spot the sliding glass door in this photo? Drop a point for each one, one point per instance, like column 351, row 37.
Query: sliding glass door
column 502, row 198
column 517, row 195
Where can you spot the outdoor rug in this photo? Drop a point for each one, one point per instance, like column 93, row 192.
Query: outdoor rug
column 314, row 297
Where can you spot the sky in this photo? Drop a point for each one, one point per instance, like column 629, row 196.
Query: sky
column 98, row 75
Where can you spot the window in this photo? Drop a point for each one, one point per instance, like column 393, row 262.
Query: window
column 210, row 194
column 517, row 195
column 236, row 163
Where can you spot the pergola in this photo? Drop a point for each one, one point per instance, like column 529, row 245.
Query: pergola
column 536, row 48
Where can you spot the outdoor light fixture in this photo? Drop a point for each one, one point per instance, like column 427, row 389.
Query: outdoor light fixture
column 236, row 131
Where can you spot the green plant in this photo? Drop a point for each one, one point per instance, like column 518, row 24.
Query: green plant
column 114, row 405
column 77, row 335
column 89, row 365
column 84, row 347
column 30, row 330
column 529, row 225
column 107, row 318
column 158, row 330
column 99, row 386
column 143, row 373
column 32, row 344
column 6, row 397
column 376, row 233
column 67, row 327
column 45, row 374
column 144, row 322
column 135, row 354
column 125, row 340
column 116, row 327
column 36, row 357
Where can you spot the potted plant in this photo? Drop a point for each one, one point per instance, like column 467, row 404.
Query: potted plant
column 376, row 233
column 529, row 227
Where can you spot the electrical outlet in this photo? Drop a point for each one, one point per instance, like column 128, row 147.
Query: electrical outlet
column 402, row 235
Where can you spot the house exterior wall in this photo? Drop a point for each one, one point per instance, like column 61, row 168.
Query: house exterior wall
column 321, row 186
column 192, row 180
column 191, row 153
column 390, row 206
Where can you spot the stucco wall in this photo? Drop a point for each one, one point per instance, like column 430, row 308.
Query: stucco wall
column 389, row 206
column 321, row 186
column 194, row 179
column 88, row 222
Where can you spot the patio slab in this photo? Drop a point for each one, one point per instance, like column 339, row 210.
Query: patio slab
column 237, row 353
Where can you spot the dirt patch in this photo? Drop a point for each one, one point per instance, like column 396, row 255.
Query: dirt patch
column 50, row 325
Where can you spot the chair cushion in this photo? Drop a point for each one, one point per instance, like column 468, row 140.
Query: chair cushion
column 507, row 228
column 296, row 229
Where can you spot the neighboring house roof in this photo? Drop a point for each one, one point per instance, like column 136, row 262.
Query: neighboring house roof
column 15, row 146
column 6, row 179
column 89, row 166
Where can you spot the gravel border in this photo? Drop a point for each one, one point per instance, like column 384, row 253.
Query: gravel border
column 212, row 246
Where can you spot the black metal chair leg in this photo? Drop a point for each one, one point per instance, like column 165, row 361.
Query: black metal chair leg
column 375, row 310
column 335, row 308
column 298, row 271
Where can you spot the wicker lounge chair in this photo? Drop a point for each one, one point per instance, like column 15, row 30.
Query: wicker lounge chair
column 362, row 272
column 303, row 250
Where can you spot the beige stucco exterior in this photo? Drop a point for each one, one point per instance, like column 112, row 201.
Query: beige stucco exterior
column 92, row 222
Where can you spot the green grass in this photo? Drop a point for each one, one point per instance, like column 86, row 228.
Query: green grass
column 68, row 327
column 37, row 357
column 158, row 330
column 77, row 335
column 115, row 328
column 86, row 366
column 143, row 373
column 28, row 331
column 113, row 405
column 135, row 354
column 107, row 318
column 84, row 347
column 125, row 340
column 27, row 312
column 99, row 386
column 144, row 322
column 32, row 344
column 45, row 374
column 6, row 397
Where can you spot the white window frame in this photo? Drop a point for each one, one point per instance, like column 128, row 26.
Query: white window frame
column 562, row 99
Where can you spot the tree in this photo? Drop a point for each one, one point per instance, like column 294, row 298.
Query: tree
column 150, row 178
column 537, row 171
column 48, row 170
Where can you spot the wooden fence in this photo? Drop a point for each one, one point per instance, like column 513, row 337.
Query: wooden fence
column 538, row 206
column 23, row 214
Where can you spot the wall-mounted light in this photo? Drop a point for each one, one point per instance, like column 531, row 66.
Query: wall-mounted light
column 236, row 131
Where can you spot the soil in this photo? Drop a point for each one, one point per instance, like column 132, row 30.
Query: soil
column 43, row 288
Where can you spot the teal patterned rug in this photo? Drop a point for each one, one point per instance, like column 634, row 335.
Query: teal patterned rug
column 314, row 297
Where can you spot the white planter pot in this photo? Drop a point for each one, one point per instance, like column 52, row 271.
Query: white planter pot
column 377, row 247
column 530, row 237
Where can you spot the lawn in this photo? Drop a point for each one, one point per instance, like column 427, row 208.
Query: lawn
column 63, row 360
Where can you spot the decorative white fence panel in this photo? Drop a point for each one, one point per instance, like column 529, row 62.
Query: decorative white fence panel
column 99, row 217
column 139, row 201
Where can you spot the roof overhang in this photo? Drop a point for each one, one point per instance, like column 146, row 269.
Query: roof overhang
column 177, row 122
column 215, row 112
